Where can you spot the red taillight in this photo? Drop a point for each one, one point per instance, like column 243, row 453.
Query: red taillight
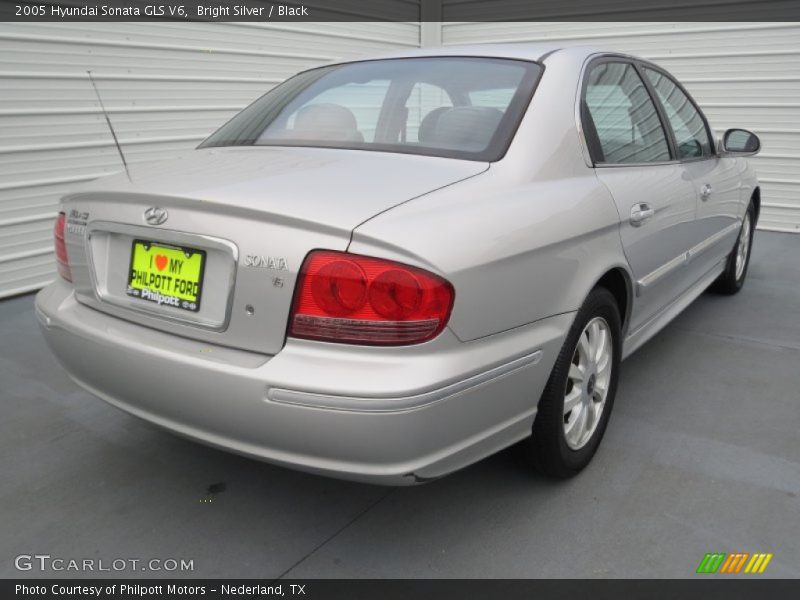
column 61, row 247
column 343, row 297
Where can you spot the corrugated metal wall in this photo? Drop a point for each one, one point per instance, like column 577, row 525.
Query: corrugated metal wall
column 742, row 74
column 166, row 86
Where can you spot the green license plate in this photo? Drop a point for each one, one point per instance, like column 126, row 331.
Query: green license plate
column 166, row 275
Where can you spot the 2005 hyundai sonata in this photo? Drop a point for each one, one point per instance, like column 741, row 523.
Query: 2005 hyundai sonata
column 388, row 269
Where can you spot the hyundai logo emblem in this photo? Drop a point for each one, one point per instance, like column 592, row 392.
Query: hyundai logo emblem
column 155, row 215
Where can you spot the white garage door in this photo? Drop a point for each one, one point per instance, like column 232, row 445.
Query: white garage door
column 166, row 86
column 743, row 75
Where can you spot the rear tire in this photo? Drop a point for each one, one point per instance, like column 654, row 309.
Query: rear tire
column 732, row 278
column 576, row 403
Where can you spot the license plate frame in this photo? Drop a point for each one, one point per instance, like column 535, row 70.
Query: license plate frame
column 158, row 295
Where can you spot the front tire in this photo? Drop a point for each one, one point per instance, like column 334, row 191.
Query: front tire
column 732, row 278
column 576, row 404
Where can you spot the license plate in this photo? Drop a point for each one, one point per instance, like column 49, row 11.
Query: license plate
column 166, row 275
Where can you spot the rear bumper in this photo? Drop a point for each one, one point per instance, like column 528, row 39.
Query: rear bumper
column 393, row 416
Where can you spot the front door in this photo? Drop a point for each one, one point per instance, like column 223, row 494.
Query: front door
column 716, row 179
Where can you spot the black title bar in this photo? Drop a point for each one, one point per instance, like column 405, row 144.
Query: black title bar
column 401, row 10
column 396, row 589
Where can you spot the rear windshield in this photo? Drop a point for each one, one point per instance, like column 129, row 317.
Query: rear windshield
column 454, row 107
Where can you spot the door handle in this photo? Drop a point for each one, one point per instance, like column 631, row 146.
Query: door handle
column 640, row 213
column 705, row 191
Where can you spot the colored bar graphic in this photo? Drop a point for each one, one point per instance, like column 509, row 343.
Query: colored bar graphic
column 735, row 562
column 759, row 562
column 711, row 562
column 742, row 561
column 720, row 562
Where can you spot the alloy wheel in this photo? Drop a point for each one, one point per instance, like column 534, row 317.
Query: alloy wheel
column 588, row 383
column 743, row 247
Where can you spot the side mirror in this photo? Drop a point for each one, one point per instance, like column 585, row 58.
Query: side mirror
column 740, row 142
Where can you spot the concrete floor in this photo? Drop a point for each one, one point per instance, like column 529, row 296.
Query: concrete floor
column 702, row 454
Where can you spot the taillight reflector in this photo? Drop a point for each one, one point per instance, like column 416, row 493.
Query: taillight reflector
column 343, row 297
column 62, row 261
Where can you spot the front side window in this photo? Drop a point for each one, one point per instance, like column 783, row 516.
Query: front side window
column 622, row 114
column 458, row 107
column 691, row 135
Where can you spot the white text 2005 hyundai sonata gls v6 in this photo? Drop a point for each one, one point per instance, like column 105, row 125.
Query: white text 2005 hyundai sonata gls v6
column 388, row 269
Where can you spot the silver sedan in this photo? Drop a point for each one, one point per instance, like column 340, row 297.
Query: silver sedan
column 388, row 269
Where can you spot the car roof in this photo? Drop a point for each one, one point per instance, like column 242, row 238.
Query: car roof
column 515, row 50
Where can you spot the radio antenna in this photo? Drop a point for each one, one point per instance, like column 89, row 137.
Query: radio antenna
column 110, row 126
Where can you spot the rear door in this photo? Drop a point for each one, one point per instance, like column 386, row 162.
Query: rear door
column 635, row 159
column 716, row 181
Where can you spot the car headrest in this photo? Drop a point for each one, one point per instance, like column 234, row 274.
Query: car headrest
column 467, row 128
column 326, row 122
column 427, row 127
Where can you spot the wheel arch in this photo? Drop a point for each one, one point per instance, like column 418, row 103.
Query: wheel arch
column 618, row 281
column 756, row 199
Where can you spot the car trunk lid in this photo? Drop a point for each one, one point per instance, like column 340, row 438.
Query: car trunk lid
column 253, row 213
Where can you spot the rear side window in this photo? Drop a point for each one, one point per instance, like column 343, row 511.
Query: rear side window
column 688, row 125
column 620, row 114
